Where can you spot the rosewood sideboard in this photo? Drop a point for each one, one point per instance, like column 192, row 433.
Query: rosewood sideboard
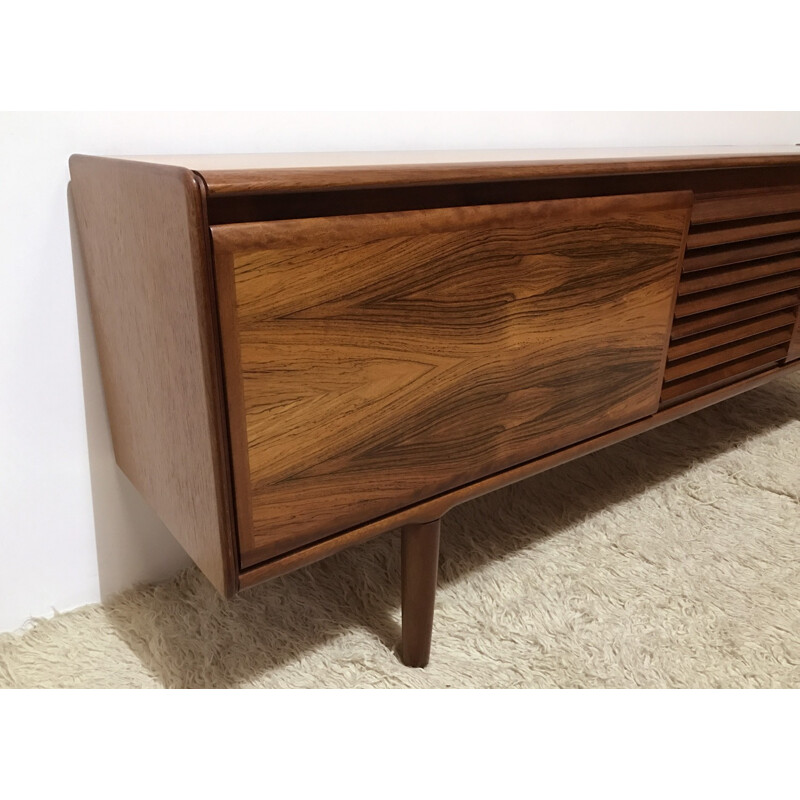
column 302, row 352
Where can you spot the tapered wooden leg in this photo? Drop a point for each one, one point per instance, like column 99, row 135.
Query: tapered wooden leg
column 419, row 559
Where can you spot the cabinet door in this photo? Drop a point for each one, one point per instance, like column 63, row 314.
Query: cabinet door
column 373, row 361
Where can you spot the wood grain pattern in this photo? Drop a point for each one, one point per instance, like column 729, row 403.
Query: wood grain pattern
column 712, row 207
column 387, row 358
column 738, row 273
column 738, row 293
column 743, row 255
column 730, row 371
column 439, row 506
column 737, row 253
column 717, row 317
column 739, row 230
column 261, row 173
column 727, row 352
column 730, row 333
column 145, row 247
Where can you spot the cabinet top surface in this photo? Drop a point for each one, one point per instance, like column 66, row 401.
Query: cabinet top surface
column 276, row 172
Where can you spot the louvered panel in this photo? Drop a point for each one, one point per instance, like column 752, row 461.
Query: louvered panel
column 710, row 257
column 738, row 293
column 731, row 333
column 699, row 362
column 721, row 376
column 742, row 230
column 739, row 273
column 736, row 311
column 719, row 317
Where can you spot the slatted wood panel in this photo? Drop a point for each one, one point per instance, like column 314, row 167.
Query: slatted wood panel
column 379, row 360
column 682, row 367
column 706, row 381
column 726, row 334
column 737, row 306
column 719, row 317
column 739, row 293
column 725, row 254
column 739, row 273
column 741, row 230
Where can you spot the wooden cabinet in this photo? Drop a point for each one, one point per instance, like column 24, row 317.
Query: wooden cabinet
column 298, row 356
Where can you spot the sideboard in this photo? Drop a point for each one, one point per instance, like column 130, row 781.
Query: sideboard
column 300, row 352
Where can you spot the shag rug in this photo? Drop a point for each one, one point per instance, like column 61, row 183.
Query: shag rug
column 669, row 560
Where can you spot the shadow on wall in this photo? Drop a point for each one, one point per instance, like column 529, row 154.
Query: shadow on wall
column 133, row 546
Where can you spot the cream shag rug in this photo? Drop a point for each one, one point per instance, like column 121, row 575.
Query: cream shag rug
column 669, row 560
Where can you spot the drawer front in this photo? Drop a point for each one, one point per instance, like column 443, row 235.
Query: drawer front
column 374, row 361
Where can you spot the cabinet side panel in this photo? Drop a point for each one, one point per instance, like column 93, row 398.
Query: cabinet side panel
column 144, row 243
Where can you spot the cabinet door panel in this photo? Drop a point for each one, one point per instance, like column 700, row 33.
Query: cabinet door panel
column 373, row 361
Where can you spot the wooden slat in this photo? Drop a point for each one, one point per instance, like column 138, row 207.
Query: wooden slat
column 753, row 376
column 717, row 318
column 706, row 301
column 720, row 206
column 730, row 333
column 741, row 230
column 739, row 273
column 729, row 352
column 711, row 257
column 712, row 378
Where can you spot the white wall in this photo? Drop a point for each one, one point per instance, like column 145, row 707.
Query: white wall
column 71, row 527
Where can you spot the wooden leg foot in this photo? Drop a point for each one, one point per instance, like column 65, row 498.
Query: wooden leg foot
column 419, row 559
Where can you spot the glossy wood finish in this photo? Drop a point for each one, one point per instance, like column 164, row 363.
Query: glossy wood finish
column 740, row 230
column 730, row 333
column 419, row 545
column 706, row 380
column 737, row 297
column 144, row 242
column 388, row 358
column 282, row 172
column 738, row 273
column 727, row 352
column 737, row 253
column 738, row 293
column 714, row 207
column 726, row 315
